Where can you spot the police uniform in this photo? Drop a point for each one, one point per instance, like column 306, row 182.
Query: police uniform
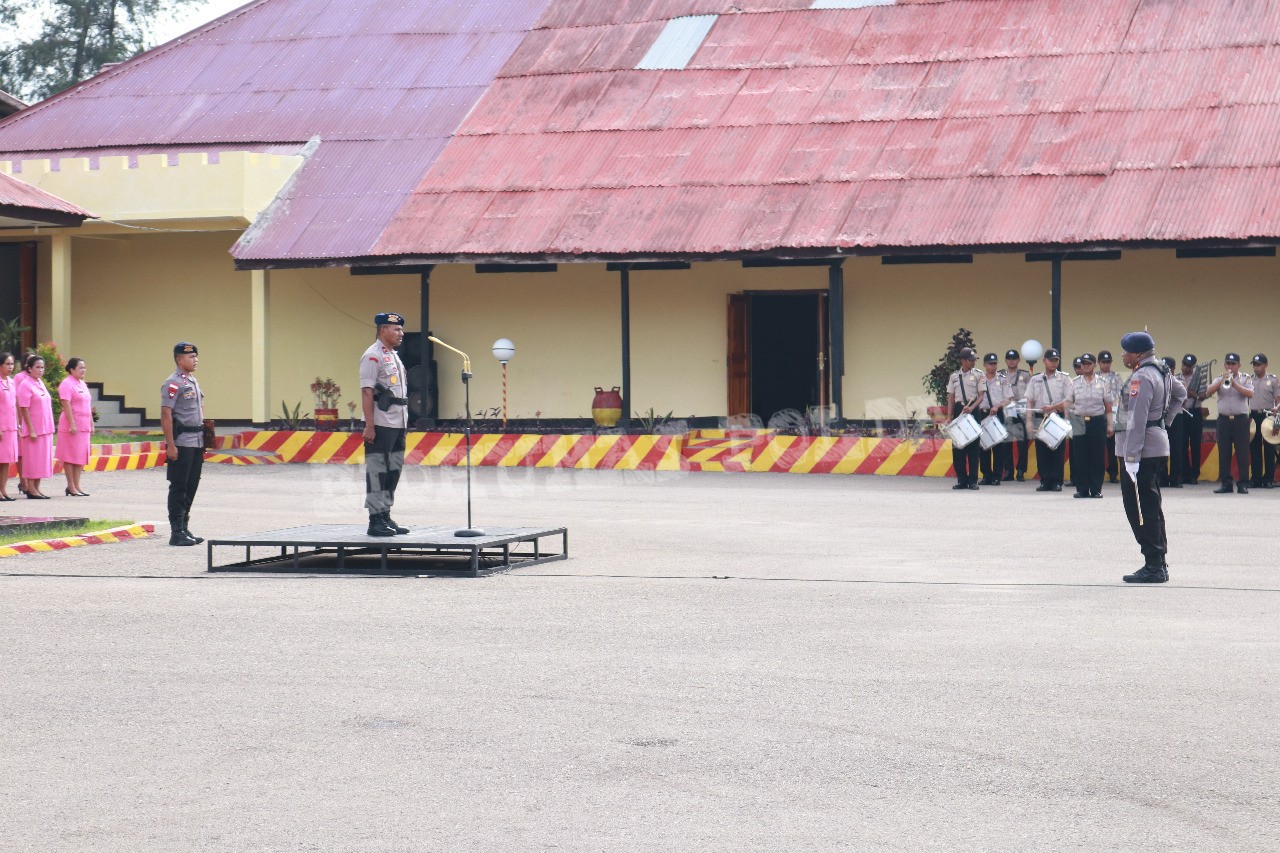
column 1187, row 439
column 1150, row 397
column 1262, row 455
column 1045, row 390
column 1115, row 384
column 1090, row 402
column 1172, row 475
column 1233, row 426
column 1017, row 380
column 994, row 392
column 181, row 394
column 963, row 387
column 382, row 371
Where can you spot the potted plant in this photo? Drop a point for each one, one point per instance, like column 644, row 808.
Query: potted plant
column 935, row 381
column 326, row 392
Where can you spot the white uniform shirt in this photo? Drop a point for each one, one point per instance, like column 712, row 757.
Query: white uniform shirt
column 381, row 366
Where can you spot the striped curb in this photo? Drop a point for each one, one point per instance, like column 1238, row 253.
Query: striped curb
column 730, row 451
column 106, row 537
column 234, row 458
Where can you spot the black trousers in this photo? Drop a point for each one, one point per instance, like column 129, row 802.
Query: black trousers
column 1177, row 455
column 1185, row 434
column 1233, row 437
column 1262, row 456
column 383, row 462
column 965, row 459
column 1088, row 456
column 1010, row 463
column 994, row 460
column 1112, row 464
column 183, row 474
column 1149, row 531
column 1050, row 462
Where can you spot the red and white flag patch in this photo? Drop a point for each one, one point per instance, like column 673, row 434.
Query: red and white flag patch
column 173, row 389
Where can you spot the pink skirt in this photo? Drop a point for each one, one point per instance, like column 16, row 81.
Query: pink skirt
column 9, row 446
column 37, row 456
column 73, row 448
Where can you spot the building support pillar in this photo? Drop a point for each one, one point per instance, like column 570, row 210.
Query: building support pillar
column 1056, row 310
column 259, row 323
column 60, row 292
column 625, row 298
column 835, row 332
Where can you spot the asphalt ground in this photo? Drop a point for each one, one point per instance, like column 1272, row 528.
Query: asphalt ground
column 727, row 662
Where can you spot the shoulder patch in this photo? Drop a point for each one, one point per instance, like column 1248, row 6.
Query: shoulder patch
column 173, row 389
column 1134, row 384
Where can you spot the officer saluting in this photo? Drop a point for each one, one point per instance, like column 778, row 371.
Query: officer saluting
column 1151, row 398
column 383, row 390
column 182, row 419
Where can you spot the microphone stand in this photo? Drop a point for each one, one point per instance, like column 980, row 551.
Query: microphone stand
column 469, row 531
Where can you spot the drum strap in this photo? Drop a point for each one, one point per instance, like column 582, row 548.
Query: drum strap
column 963, row 395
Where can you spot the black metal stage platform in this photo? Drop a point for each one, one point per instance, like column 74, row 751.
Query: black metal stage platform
column 344, row 548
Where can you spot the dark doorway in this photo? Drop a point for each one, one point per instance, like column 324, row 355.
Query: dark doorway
column 779, row 348
column 18, row 291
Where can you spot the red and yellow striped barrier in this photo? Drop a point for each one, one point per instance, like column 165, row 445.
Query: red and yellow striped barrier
column 116, row 534
column 735, row 451
column 432, row 449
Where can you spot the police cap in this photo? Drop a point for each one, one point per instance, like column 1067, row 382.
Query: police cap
column 1169, row 362
column 185, row 348
column 1051, row 352
column 968, row 354
column 1077, row 361
column 1104, row 355
column 1137, row 342
column 990, row 358
column 1088, row 357
column 1013, row 353
column 1260, row 359
column 390, row 318
column 1232, row 357
column 1189, row 360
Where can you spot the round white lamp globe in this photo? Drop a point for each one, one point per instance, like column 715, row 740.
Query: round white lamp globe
column 503, row 350
column 1032, row 350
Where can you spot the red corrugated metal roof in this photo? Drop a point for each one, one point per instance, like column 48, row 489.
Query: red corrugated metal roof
column 382, row 83
column 20, row 199
column 919, row 124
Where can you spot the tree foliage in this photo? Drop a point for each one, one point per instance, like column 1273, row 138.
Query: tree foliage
column 71, row 40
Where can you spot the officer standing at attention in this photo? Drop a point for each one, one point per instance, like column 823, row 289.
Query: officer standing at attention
column 962, row 398
column 1017, row 380
column 1113, row 383
column 1151, row 397
column 1234, row 390
column 383, row 384
column 995, row 396
column 1048, row 392
column 1262, row 455
column 182, row 419
column 1091, row 408
column 1188, row 449
column 1177, row 429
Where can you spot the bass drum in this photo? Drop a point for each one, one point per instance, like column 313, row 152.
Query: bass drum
column 1270, row 429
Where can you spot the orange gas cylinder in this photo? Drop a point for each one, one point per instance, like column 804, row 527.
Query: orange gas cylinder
column 606, row 408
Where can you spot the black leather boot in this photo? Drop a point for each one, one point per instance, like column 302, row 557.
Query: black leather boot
column 1148, row 574
column 186, row 528
column 378, row 526
column 400, row 531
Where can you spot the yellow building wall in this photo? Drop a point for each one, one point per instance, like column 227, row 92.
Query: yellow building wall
column 134, row 295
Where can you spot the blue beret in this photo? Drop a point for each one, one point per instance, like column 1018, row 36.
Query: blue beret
column 390, row 318
column 1137, row 342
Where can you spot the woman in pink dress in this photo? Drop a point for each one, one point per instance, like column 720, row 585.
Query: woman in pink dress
column 35, row 429
column 75, row 425
column 8, row 423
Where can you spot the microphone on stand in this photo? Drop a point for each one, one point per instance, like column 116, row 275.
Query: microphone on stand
column 466, row 384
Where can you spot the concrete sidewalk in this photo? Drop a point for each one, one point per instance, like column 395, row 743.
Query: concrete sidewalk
column 728, row 662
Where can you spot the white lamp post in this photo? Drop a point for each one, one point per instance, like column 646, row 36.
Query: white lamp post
column 1032, row 351
column 504, row 351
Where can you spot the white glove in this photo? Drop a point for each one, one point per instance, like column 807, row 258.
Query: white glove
column 1132, row 468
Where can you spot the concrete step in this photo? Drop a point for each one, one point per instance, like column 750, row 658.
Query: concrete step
column 113, row 411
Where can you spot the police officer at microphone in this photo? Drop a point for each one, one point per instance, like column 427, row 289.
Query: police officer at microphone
column 383, row 390
column 1152, row 396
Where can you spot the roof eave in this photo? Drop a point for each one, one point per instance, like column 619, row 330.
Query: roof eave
column 388, row 262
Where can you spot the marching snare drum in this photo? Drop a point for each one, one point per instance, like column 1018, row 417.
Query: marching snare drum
column 993, row 432
column 1054, row 430
column 963, row 431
